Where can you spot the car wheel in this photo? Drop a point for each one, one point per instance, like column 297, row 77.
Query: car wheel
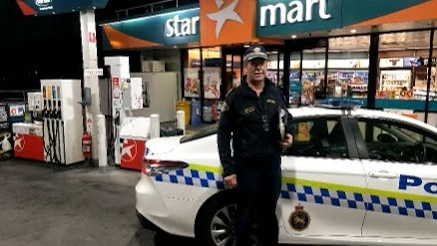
column 215, row 225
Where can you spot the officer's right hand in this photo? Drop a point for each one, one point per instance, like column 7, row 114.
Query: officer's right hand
column 230, row 181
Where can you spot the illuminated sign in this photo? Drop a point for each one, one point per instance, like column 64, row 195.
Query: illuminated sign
column 177, row 27
column 49, row 7
column 276, row 17
column 296, row 12
column 162, row 29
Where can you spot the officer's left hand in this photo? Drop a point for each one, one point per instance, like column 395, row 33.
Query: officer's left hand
column 287, row 141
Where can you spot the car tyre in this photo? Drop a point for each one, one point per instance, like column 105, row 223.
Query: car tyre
column 215, row 224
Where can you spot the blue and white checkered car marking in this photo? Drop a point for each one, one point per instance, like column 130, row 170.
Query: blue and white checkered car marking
column 319, row 193
column 195, row 175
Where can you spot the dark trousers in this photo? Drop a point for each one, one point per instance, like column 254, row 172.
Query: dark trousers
column 259, row 185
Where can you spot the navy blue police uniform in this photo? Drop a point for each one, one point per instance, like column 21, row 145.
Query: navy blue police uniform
column 252, row 123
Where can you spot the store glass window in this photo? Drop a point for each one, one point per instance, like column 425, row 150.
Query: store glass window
column 191, row 74
column 211, row 69
column 434, row 58
column 348, row 66
column 211, row 72
column 211, row 83
column 435, row 40
column 233, row 71
column 206, row 62
column 275, row 67
column 313, row 67
column 295, row 88
column 403, row 59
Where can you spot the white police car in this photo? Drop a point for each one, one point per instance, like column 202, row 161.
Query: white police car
column 352, row 176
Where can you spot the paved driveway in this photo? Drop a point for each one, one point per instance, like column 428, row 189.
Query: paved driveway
column 45, row 204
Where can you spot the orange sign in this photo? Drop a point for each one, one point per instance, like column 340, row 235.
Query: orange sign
column 227, row 22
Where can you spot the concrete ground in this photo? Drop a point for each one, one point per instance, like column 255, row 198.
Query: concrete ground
column 44, row 204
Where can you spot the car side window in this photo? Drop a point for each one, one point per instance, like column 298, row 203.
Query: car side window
column 393, row 141
column 319, row 137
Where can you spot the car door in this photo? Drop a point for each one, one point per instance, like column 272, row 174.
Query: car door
column 401, row 178
column 323, row 181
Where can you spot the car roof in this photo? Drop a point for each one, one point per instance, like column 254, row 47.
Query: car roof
column 317, row 111
column 310, row 111
column 314, row 111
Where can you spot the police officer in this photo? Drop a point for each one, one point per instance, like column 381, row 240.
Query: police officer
column 254, row 116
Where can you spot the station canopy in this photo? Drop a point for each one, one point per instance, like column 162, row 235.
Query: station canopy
column 50, row 7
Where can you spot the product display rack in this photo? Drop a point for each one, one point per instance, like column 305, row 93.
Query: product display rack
column 395, row 80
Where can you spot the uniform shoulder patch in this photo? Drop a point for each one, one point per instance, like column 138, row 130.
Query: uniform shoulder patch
column 230, row 97
column 225, row 107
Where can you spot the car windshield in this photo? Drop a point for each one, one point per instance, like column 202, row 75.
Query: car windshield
column 203, row 132
column 401, row 134
column 393, row 140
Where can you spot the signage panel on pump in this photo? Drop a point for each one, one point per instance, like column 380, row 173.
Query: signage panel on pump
column 93, row 71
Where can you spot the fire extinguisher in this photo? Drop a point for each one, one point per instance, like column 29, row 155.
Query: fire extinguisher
column 86, row 145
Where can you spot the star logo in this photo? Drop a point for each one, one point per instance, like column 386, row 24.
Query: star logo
column 129, row 150
column 223, row 15
column 19, row 143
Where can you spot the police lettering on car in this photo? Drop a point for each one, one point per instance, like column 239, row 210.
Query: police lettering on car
column 406, row 181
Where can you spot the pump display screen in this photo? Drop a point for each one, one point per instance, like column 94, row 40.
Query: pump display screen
column 49, row 7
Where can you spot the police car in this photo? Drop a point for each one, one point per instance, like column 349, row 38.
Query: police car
column 353, row 176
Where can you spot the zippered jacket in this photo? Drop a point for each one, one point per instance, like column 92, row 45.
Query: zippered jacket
column 252, row 123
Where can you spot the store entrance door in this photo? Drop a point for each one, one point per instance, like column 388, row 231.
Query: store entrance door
column 234, row 70
column 299, row 67
column 307, row 75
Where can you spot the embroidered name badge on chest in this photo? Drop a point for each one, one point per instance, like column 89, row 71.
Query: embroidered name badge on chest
column 249, row 110
column 272, row 101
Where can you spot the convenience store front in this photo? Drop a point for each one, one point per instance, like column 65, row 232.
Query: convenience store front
column 380, row 52
column 192, row 39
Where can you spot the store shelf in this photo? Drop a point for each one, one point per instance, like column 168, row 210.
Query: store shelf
column 420, row 94
column 395, row 79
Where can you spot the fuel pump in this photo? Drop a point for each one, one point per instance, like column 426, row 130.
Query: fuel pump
column 119, row 74
column 126, row 95
column 62, row 121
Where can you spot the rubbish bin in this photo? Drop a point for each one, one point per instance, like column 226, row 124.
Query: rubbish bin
column 186, row 107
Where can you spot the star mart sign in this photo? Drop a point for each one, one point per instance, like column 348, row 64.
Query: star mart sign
column 162, row 29
column 279, row 17
column 282, row 17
